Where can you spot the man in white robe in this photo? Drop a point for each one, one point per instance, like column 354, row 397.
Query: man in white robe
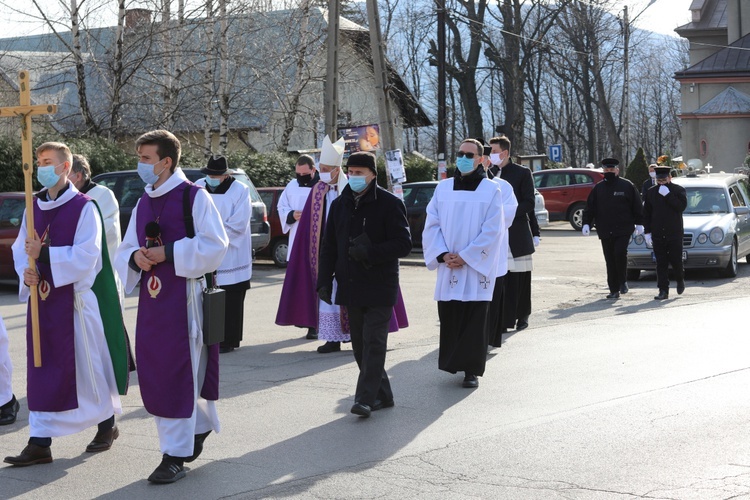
column 9, row 410
column 177, row 372
column 460, row 240
column 75, row 387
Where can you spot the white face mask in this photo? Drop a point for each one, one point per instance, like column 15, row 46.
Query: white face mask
column 652, row 175
column 327, row 177
column 495, row 158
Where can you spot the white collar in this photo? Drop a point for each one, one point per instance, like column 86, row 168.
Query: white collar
column 60, row 200
column 174, row 180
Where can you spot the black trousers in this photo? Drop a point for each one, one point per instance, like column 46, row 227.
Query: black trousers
column 516, row 298
column 463, row 336
column 668, row 252
column 495, row 313
column 234, row 313
column 369, row 331
column 616, row 257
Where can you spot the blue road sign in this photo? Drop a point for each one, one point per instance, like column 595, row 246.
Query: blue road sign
column 555, row 152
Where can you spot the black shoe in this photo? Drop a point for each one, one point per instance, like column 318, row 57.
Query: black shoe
column 680, row 287
column 663, row 295
column 379, row 405
column 31, row 455
column 624, row 288
column 198, row 446
column 312, row 334
column 614, row 295
column 8, row 415
column 329, row 347
column 103, row 440
column 170, row 470
column 224, row 350
column 522, row 325
column 470, row 381
column 361, row 409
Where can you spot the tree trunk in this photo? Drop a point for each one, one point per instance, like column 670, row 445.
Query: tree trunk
column 88, row 120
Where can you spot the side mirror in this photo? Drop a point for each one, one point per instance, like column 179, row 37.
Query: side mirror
column 742, row 210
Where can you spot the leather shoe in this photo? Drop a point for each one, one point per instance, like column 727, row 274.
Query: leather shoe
column 361, row 409
column 103, row 440
column 470, row 381
column 614, row 295
column 522, row 325
column 198, row 446
column 8, row 415
column 312, row 334
column 170, row 470
column 624, row 288
column 224, row 350
column 680, row 287
column 663, row 295
column 31, row 455
column 329, row 347
column 379, row 405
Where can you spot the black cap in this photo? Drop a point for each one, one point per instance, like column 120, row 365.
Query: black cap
column 662, row 172
column 217, row 165
column 610, row 162
column 362, row 159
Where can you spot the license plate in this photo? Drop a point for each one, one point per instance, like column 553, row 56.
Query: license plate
column 684, row 256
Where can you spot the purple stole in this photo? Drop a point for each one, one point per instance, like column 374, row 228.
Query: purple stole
column 52, row 386
column 162, row 332
column 299, row 297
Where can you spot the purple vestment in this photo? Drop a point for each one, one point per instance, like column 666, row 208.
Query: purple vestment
column 162, row 345
column 298, row 305
column 52, row 386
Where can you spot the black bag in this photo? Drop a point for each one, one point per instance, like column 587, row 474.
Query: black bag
column 214, row 298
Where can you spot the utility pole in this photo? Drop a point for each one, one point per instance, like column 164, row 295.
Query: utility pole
column 441, row 147
column 387, row 136
column 331, row 98
column 626, row 90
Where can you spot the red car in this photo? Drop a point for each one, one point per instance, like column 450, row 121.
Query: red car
column 565, row 191
column 278, row 245
column 12, row 206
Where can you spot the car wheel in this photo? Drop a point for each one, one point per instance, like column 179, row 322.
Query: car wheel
column 279, row 252
column 633, row 274
column 731, row 270
column 576, row 216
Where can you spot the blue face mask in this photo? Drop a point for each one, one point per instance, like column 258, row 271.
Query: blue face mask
column 47, row 176
column 357, row 183
column 210, row 181
column 146, row 172
column 465, row 165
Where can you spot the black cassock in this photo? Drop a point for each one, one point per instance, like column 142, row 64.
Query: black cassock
column 463, row 336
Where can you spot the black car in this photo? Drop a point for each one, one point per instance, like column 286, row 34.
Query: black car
column 128, row 189
column 416, row 197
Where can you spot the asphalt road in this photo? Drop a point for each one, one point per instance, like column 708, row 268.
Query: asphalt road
column 597, row 399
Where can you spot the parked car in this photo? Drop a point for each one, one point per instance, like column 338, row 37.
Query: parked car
column 565, row 191
column 418, row 194
column 278, row 245
column 12, row 205
column 717, row 226
column 128, row 189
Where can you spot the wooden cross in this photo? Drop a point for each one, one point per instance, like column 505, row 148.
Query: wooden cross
column 25, row 111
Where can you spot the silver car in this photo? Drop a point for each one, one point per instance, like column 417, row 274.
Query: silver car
column 717, row 226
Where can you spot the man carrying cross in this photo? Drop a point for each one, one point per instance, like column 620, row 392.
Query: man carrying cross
column 461, row 240
column 76, row 387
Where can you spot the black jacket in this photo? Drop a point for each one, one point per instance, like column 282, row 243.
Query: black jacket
column 614, row 207
column 519, row 233
column 648, row 183
column 382, row 216
column 662, row 215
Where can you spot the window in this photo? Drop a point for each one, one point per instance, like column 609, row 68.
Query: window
column 557, row 180
column 582, row 179
column 11, row 213
column 267, row 197
column 706, row 200
column 704, row 148
column 736, row 197
column 424, row 195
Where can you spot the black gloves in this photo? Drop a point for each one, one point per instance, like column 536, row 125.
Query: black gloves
column 324, row 292
column 358, row 253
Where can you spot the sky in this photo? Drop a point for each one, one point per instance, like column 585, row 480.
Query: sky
column 663, row 16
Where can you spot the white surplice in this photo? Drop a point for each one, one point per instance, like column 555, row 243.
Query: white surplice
column 329, row 315
column 292, row 198
column 95, row 378
column 6, row 367
column 193, row 257
column 235, row 209
column 105, row 198
column 510, row 204
column 468, row 223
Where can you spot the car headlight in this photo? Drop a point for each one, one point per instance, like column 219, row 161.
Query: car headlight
column 639, row 239
column 716, row 235
column 702, row 238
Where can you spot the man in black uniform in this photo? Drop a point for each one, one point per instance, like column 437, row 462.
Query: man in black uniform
column 650, row 182
column 662, row 220
column 614, row 208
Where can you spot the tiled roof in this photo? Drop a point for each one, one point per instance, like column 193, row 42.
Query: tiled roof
column 729, row 102
column 714, row 16
column 733, row 60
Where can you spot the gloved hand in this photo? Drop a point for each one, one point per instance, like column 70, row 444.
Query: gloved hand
column 586, row 230
column 537, row 239
column 324, row 292
column 358, row 253
column 663, row 190
column 638, row 230
column 649, row 239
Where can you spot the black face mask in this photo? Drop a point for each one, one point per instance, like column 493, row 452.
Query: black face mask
column 304, row 179
column 609, row 176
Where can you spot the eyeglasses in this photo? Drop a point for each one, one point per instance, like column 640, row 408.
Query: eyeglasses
column 461, row 154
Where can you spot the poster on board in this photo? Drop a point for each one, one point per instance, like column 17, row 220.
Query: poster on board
column 364, row 138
